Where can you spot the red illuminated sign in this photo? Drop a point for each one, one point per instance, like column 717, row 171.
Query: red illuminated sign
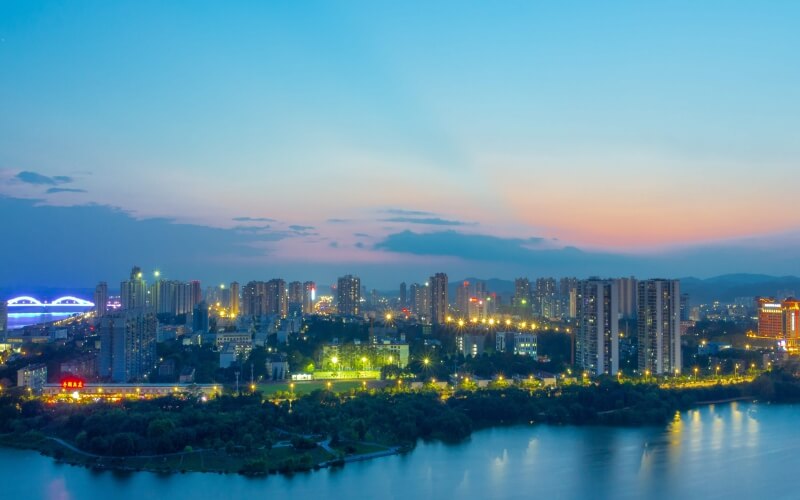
column 72, row 383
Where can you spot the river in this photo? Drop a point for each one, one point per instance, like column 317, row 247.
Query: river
column 736, row 450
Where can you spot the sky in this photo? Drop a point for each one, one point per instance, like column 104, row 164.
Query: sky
column 250, row 140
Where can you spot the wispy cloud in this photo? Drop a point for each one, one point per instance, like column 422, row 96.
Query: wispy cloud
column 431, row 221
column 296, row 227
column 401, row 211
column 253, row 219
column 64, row 190
column 38, row 179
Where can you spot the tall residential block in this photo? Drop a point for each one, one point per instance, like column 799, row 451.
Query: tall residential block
column 348, row 295
column 133, row 291
column 127, row 345
column 597, row 332
column 438, row 290
column 659, row 326
column 309, row 296
column 101, row 299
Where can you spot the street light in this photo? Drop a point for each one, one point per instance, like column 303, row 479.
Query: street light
column 695, row 373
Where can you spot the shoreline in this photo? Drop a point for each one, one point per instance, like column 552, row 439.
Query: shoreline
column 55, row 448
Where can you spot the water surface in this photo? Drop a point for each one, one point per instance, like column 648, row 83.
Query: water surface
column 726, row 451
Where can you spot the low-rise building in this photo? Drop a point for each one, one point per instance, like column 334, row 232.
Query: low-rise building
column 32, row 376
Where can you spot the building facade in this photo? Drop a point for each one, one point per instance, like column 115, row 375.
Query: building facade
column 348, row 295
column 597, row 331
column 127, row 345
column 439, row 304
column 659, row 326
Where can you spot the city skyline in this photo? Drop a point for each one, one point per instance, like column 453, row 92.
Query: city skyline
column 626, row 140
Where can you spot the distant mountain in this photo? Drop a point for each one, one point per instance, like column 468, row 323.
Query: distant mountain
column 727, row 287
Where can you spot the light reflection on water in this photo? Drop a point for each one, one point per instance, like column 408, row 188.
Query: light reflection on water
column 20, row 320
column 723, row 451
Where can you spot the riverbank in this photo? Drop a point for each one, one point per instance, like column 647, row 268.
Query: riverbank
column 255, row 436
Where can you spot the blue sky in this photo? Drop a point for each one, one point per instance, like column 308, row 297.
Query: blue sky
column 399, row 139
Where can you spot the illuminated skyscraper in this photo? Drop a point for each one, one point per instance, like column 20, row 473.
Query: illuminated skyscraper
column 770, row 318
column 438, row 291
column 597, row 333
column 101, row 298
column 127, row 345
column 659, row 325
column 348, row 293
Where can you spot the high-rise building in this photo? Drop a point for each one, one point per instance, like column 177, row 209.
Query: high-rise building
column 685, row 309
column 348, row 294
column 438, row 291
column 462, row 299
column 597, row 332
column 627, row 297
column 295, row 298
column 546, row 302
column 197, row 292
column 200, row 317
column 791, row 321
column 770, row 317
column 568, row 297
column 133, row 291
column 422, row 301
column 127, row 345
column 233, row 305
column 100, row 299
column 277, row 298
column 309, row 297
column 659, row 326
column 251, row 300
column 522, row 296
column 403, row 295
